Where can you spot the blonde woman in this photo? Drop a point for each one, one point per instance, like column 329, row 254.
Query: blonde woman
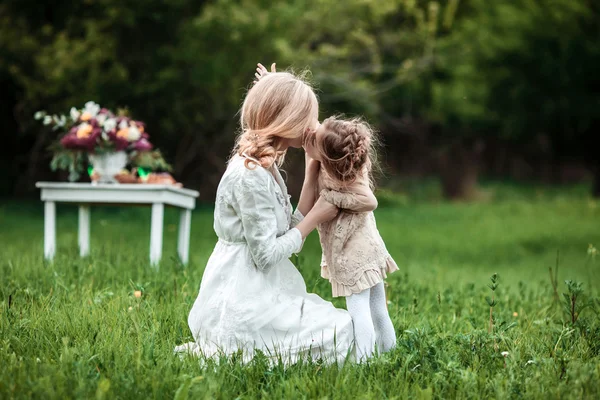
column 251, row 296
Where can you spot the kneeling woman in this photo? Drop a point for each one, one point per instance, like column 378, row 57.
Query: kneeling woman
column 251, row 296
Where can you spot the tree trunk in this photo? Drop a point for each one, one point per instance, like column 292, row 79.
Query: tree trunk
column 459, row 169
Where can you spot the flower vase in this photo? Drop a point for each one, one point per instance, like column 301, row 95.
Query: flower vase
column 107, row 165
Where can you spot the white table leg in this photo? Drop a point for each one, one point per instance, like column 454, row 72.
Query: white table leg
column 156, row 233
column 84, row 230
column 49, row 230
column 183, row 241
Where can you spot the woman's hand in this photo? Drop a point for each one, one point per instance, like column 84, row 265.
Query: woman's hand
column 261, row 71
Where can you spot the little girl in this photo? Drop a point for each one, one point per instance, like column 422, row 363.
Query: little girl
column 355, row 259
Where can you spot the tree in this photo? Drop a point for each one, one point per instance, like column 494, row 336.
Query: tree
column 57, row 54
column 346, row 46
column 521, row 69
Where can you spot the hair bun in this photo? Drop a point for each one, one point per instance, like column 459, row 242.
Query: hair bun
column 277, row 108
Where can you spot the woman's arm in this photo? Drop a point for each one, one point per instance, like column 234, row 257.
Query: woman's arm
column 255, row 207
column 322, row 211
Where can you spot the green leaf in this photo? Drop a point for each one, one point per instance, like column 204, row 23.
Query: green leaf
column 183, row 390
column 103, row 388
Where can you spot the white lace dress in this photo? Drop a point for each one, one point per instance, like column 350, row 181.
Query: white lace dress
column 251, row 296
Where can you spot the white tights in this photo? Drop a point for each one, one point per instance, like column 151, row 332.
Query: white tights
column 372, row 323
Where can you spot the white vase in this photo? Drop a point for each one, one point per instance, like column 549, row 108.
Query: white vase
column 107, row 165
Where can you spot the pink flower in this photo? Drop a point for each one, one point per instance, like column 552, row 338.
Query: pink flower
column 141, row 126
column 121, row 143
column 88, row 142
column 142, row 145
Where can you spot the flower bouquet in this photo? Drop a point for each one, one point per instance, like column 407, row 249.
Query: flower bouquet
column 109, row 142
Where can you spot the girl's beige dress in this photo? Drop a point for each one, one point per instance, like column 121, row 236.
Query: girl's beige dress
column 354, row 255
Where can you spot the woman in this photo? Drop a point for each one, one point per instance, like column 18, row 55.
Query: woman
column 251, row 296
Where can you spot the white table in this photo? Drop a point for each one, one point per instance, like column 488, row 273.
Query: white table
column 86, row 194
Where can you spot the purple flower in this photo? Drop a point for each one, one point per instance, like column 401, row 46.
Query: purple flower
column 120, row 142
column 84, row 142
column 142, row 145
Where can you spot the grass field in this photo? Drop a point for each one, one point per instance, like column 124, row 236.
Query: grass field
column 75, row 329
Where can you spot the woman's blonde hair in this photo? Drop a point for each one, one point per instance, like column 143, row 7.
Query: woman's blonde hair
column 279, row 106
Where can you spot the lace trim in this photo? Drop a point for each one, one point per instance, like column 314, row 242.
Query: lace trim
column 366, row 280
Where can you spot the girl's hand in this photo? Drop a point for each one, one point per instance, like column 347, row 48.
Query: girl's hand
column 261, row 71
column 324, row 211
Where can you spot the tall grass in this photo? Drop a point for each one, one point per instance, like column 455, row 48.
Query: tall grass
column 74, row 328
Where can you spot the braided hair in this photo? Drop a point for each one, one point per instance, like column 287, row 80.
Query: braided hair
column 348, row 149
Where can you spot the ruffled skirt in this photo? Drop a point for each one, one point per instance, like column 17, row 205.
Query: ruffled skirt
column 370, row 277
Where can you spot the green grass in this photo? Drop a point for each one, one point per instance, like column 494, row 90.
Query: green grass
column 74, row 329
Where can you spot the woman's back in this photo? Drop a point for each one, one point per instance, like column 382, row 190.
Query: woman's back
column 253, row 208
column 240, row 185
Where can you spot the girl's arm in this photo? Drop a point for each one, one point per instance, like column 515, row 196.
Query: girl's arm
column 261, row 72
column 309, row 188
column 356, row 198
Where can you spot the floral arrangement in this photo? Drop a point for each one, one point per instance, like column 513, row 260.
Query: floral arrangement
column 92, row 131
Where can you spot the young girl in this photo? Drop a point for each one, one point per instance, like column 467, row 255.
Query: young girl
column 355, row 259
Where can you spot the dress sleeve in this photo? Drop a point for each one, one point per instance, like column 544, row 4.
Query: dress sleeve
column 256, row 209
column 358, row 198
column 297, row 217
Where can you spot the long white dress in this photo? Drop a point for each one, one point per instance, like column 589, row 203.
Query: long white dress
column 251, row 296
